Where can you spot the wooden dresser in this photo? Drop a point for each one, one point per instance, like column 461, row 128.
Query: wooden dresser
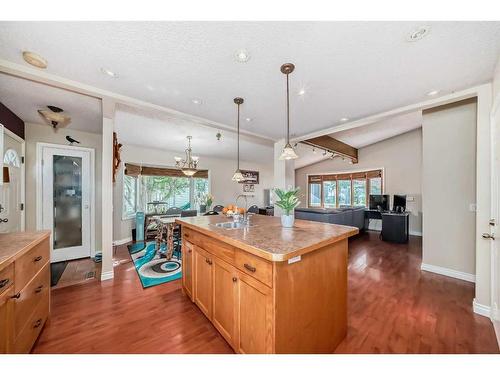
column 24, row 289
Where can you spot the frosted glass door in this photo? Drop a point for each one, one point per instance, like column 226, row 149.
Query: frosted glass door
column 66, row 201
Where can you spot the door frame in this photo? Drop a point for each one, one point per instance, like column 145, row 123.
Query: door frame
column 23, row 173
column 39, row 198
column 495, row 207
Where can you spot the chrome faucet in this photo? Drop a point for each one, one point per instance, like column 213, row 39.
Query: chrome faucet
column 245, row 214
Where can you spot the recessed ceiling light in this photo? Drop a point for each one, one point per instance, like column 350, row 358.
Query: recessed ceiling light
column 34, row 59
column 109, row 73
column 301, row 92
column 344, row 119
column 433, row 92
column 242, row 55
column 418, row 33
column 196, row 101
column 248, row 119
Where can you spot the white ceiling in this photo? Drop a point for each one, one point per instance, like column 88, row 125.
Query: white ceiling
column 157, row 130
column 363, row 136
column 25, row 98
column 349, row 69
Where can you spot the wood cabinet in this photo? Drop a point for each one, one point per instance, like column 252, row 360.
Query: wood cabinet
column 203, row 281
column 260, row 306
column 187, row 268
column 24, row 305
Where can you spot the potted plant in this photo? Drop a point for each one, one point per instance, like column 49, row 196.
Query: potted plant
column 205, row 201
column 287, row 201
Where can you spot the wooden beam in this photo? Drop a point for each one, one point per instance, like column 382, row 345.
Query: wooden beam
column 328, row 143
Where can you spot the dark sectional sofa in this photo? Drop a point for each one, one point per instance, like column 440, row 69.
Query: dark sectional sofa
column 352, row 216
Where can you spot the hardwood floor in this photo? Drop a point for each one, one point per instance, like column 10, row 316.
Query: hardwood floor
column 393, row 308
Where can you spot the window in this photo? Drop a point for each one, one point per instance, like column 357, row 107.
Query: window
column 129, row 196
column 337, row 190
column 330, row 194
column 12, row 158
column 156, row 193
column 344, row 193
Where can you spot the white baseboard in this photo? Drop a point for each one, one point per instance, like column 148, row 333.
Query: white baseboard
column 413, row 233
column 448, row 272
column 107, row 275
column 122, row 241
column 481, row 309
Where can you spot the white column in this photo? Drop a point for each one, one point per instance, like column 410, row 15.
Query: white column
column 284, row 172
column 107, row 191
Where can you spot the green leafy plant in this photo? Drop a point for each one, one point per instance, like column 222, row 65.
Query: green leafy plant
column 287, row 199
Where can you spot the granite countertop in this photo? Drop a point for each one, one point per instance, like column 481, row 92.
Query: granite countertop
column 13, row 245
column 268, row 239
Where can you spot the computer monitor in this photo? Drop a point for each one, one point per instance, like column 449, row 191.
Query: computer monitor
column 399, row 201
column 379, row 202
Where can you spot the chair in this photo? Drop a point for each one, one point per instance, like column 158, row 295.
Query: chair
column 187, row 213
column 210, row 213
column 253, row 209
column 173, row 211
column 218, row 208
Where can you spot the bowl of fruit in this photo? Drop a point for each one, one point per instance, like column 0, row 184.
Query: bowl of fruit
column 232, row 210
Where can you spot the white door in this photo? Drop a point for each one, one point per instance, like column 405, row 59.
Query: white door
column 495, row 210
column 11, row 193
column 66, row 182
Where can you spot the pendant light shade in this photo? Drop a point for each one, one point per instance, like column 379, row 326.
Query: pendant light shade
column 288, row 152
column 238, row 176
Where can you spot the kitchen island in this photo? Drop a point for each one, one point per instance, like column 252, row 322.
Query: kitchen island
column 265, row 288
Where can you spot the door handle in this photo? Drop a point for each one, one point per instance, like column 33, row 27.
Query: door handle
column 488, row 236
column 250, row 268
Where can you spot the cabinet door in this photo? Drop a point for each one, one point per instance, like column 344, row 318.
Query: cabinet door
column 6, row 320
column 187, row 268
column 225, row 309
column 203, row 279
column 255, row 316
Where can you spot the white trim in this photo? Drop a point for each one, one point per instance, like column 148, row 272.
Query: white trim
column 448, row 272
column 23, row 174
column 107, row 275
column 38, row 183
column 481, row 309
column 415, row 233
column 122, row 241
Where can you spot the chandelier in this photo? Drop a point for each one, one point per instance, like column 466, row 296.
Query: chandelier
column 190, row 164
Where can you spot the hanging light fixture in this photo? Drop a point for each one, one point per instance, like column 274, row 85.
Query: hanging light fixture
column 238, row 176
column 288, row 152
column 190, row 164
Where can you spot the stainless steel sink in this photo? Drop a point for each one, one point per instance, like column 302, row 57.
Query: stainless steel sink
column 233, row 225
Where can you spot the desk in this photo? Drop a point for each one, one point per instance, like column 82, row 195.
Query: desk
column 395, row 225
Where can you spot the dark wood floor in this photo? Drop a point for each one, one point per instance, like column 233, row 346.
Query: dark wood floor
column 393, row 308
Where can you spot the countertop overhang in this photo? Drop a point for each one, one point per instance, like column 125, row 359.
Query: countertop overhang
column 267, row 238
column 14, row 245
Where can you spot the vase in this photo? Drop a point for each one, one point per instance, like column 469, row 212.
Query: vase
column 203, row 208
column 287, row 221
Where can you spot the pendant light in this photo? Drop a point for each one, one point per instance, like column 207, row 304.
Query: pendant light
column 238, row 176
column 288, row 152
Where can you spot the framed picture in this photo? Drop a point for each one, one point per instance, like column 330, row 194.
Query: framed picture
column 250, row 177
column 248, row 188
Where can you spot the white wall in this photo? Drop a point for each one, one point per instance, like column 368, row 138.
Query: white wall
column 401, row 159
column 224, row 190
column 449, row 187
column 43, row 133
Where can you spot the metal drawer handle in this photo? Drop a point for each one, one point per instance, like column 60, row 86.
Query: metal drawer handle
column 189, row 251
column 250, row 268
column 186, row 235
column 39, row 289
column 234, row 279
column 4, row 282
column 37, row 323
column 209, row 261
column 38, row 258
column 16, row 296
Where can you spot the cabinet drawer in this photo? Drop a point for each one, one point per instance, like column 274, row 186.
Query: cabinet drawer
column 30, row 263
column 6, row 278
column 29, row 298
column 224, row 251
column 254, row 266
column 26, row 338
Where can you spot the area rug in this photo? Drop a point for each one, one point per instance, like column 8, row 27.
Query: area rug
column 56, row 271
column 151, row 268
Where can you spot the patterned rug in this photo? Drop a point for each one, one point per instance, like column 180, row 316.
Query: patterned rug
column 152, row 269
